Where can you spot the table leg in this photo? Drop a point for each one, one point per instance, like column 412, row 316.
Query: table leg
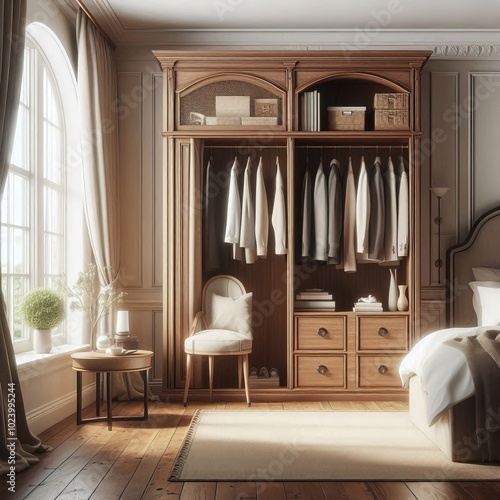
column 110, row 417
column 98, row 393
column 78, row 398
column 145, row 378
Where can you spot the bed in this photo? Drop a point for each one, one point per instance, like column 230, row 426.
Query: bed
column 441, row 388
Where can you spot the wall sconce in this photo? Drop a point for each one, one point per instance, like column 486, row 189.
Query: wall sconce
column 439, row 192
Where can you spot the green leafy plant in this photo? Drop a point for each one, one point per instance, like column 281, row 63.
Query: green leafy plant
column 42, row 309
column 87, row 295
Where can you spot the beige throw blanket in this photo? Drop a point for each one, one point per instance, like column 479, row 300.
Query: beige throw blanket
column 482, row 353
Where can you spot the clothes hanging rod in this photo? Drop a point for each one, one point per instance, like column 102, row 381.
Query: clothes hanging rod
column 352, row 147
column 245, row 146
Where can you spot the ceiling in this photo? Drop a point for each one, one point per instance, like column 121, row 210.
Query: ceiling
column 294, row 21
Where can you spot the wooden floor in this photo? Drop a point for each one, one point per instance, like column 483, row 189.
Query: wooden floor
column 133, row 462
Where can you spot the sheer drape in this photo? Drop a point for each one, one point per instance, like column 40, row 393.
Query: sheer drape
column 98, row 97
column 13, row 452
column 97, row 93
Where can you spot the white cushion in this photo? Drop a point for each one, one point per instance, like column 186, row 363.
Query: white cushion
column 486, row 273
column 217, row 341
column 486, row 302
column 227, row 313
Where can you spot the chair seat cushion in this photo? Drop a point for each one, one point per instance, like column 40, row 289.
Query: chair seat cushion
column 217, row 341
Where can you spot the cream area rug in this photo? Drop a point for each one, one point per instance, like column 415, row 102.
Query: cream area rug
column 259, row 445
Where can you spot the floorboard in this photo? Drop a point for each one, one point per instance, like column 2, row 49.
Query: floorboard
column 133, row 462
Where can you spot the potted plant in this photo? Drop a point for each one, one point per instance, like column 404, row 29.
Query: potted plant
column 42, row 309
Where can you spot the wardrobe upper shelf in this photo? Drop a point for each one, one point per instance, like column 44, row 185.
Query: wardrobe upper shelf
column 259, row 134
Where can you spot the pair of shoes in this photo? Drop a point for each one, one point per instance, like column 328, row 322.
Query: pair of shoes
column 253, row 372
column 263, row 372
column 273, row 372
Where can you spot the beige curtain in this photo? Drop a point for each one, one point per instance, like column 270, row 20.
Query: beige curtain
column 97, row 94
column 17, row 443
column 98, row 97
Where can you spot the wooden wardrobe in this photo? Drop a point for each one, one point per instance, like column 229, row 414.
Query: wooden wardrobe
column 223, row 105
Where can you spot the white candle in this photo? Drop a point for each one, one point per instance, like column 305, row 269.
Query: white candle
column 122, row 321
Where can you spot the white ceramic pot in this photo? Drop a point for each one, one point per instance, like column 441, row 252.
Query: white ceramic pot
column 42, row 341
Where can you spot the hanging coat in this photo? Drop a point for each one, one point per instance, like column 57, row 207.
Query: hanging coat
column 377, row 214
column 403, row 211
column 320, row 204
column 261, row 212
column 211, row 254
column 278, row 217
column 350, row 222
column 391, row 214
column 233, row 218
column 362, row 212
column 335, row 211
column 306, row 215
column 247, row 232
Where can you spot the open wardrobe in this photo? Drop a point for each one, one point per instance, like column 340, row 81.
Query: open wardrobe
column 298, row 174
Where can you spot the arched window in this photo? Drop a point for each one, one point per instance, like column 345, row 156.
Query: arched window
column 41, row 214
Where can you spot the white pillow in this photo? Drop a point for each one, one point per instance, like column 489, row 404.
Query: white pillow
column 486, row 274
column 486, row 302
column 232, row 314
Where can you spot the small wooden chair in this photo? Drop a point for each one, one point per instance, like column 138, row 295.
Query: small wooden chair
column 222, row 328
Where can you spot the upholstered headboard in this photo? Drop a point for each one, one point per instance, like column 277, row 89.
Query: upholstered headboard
column 480, row 249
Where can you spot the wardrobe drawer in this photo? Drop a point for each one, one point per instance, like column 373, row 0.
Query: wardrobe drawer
column 321, row 371
column 378, row 371
column 321, row 332
column 382, row 333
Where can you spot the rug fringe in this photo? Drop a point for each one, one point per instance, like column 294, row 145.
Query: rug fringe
column 182, row 454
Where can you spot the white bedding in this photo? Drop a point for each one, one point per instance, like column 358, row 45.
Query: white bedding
column 445, row 375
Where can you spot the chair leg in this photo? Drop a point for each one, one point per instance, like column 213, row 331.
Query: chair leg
column 189, row 369
column 245, row 376
column 240, row 369
column 211, row 374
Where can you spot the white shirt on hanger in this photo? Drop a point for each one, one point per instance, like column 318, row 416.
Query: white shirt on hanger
column 403, row 211
column 278, row 217
column 362, row 212
column 247, row 233
column 261, row 212
column 320, row 204
column 233, row 217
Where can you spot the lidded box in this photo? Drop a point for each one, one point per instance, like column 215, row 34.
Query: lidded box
column 392, row 111
column 346, row 118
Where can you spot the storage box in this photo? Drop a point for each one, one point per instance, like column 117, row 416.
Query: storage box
column 266, row 107
column 232, row 106
column 397, row 100
column 392, row 111
column 346, row 118
column 259, row 120
column 391, row 119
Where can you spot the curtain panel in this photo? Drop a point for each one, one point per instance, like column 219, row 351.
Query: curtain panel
column 17, row 443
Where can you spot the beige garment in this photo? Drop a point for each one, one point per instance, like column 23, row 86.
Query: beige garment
column 247, row 233
column 391, row 214
column 320, row 203
column 261, row 212
column 350, row 222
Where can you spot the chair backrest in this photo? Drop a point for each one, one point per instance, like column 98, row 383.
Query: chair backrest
column 224, row 285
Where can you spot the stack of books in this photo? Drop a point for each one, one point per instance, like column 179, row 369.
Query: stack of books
column 314, row 298
column 311, row 116
column 368, row 306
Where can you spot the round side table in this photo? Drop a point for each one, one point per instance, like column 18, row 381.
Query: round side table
column 99, row 362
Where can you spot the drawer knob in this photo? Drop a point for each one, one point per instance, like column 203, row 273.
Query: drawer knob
column 382, row 369
column 322, row 332
column 322, row 369
column 383, row 331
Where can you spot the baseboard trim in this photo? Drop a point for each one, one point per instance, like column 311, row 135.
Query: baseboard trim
column 47, row 415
